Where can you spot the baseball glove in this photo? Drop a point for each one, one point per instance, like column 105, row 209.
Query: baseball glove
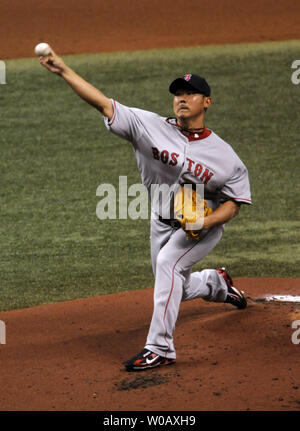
column 189, row 210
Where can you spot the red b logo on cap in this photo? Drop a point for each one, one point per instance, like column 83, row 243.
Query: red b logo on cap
column 187, row 77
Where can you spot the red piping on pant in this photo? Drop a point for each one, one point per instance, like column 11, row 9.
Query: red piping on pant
column 172, row 290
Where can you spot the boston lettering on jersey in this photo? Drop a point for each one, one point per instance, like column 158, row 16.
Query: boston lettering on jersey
column 172, row 159
column 198, row 169
column 164, row 156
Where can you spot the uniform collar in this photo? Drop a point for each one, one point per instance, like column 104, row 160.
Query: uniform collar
column 191, row 136
column 196, row 136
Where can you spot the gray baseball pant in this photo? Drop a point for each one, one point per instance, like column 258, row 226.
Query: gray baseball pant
column 172, row 259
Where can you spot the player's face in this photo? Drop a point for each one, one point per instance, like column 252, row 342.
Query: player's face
column 188, row 104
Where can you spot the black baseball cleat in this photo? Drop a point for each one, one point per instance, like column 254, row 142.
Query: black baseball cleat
column 145, row 360
column 234, row 296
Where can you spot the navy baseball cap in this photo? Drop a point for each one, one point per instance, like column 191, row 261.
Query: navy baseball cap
column 190, row 81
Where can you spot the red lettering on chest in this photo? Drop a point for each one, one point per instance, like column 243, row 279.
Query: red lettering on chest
column 164, row 156
column 206, row 176
column 191, row 162
column 155, row 153
column 198, row 169
column 172, row 159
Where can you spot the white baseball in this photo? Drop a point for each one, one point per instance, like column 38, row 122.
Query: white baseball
column 42, row 49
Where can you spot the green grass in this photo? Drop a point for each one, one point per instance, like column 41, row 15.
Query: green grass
column 55, row 151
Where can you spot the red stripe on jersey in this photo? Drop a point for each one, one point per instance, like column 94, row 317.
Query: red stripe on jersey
column 110, row 123
column 242, row 199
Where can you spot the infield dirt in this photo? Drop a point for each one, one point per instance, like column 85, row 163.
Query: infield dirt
column 68, row 356
column 80, row 26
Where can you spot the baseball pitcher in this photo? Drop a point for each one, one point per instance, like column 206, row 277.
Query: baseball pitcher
column 180, row 151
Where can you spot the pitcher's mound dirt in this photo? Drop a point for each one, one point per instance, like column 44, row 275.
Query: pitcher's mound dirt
column 68, row 356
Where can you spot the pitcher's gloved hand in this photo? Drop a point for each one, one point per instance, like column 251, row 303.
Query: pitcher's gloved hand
column 190, row 210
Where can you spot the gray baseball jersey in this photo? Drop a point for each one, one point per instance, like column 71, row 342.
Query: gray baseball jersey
column 165, row 154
